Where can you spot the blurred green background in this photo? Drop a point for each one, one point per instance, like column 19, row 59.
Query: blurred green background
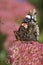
column 39, row 5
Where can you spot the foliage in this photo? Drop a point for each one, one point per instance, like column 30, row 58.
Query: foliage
column 2, row 39
column 2, row 51
column 37, row 3
column 41, row 37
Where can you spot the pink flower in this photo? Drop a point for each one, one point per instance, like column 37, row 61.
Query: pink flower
column 25, row 54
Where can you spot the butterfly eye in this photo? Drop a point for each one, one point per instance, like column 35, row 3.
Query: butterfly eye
column 28, row 16
column 32, row 17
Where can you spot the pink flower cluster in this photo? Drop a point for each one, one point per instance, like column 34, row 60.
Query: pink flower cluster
column 22, row 53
